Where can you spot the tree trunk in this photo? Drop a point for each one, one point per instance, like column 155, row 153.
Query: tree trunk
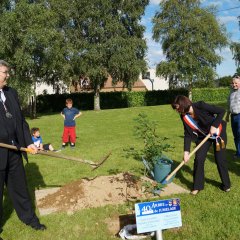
column 33, row 107
column 33, row 102
column 190, row 94
column 97, row 99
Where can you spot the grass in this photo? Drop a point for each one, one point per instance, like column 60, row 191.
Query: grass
column 210, row 215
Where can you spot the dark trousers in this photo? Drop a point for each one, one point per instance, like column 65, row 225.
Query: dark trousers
column 15, row 179
column 220, row 159
column 235, row 124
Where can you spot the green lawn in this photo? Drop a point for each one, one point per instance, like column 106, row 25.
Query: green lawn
column 211, row 215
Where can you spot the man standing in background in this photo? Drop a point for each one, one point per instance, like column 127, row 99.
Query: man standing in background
column 234, row 110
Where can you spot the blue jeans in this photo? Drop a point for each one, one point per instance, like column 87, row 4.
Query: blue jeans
column 235, row 123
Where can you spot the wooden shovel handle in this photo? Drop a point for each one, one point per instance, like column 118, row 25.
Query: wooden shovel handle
column 182, row 163
column 15, row 148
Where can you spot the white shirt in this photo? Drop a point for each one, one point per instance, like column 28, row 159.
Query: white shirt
column 234, row 102
column 2, row 95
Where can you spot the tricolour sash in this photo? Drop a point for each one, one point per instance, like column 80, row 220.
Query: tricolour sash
column 193, row 125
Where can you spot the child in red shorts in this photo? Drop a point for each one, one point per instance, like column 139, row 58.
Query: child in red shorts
column 69, row 113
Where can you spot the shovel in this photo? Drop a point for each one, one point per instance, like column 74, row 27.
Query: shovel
column 28, row 150
column 182, row 163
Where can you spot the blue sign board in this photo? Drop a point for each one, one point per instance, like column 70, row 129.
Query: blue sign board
column 158, row 215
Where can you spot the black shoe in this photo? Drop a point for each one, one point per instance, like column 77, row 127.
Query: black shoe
column 38, row 226
column 72, row 145
column 63, row 146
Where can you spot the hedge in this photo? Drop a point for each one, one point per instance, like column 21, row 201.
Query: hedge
column 108, row 100
column 111, row 100
column 210, row 94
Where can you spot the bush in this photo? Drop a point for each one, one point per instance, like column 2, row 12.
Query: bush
column 108, row 100
column 210, row 94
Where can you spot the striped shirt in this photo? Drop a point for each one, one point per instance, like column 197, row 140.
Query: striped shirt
column 234, row 102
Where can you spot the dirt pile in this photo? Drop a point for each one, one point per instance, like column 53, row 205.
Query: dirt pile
column 100, row 191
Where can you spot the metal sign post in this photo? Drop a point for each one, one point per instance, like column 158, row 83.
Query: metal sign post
column 159, row 235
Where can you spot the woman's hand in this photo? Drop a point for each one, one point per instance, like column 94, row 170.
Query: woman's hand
column 213, row 130
column 186, row 157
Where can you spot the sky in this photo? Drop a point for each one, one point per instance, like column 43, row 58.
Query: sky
column 227, row 12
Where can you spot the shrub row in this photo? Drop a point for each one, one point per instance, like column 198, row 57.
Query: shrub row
column 108, row 100
column 111, row 100
column 210, row 94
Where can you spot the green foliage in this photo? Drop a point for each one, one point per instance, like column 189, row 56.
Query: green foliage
column 154, row 145
column 211, row 94
column 235, row 47
column 135, row 99
column 154, row 187
column 58, row 40
column 107, row 39
column 238, row 71
column 34, row 45
column 109, row 100
column 224, row 81
column 183, row 27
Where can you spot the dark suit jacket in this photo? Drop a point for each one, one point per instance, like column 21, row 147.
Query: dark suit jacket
column 21, row 126
column 206, row 116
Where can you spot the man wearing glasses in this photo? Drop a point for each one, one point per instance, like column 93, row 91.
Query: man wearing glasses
column 234, row 110
column 14, row 130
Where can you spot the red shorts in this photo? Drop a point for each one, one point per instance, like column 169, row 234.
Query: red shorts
column 69, row 133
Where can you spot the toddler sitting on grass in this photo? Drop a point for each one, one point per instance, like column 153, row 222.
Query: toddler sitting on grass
column 38, row 142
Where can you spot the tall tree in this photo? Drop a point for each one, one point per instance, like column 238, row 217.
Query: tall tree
column 107, row 39
column 190, row 36
column 31, row 41
column 49, row 40
column 235, row 47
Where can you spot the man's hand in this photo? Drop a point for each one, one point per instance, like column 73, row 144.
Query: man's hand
column 186, row 157
column 32, row 149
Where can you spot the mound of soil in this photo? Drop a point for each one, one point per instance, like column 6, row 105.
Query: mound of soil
column 99, row 191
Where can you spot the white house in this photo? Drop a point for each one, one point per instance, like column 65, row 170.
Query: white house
column 149, row 79
column 153, row 82
column 44, row 88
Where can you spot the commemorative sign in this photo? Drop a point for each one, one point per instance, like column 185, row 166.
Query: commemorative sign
column 158, row 215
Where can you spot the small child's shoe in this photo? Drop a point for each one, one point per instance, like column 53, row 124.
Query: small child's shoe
column 63, row 146
column 72, row 145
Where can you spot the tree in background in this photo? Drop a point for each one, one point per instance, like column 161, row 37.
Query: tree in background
column 32, row 43
column 107, row 39
column 190, row 36
column 53, row 40
column 238, row 71
column 235, row 47
column 224, row 81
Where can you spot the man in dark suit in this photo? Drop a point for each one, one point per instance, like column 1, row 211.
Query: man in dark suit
column 14, row 130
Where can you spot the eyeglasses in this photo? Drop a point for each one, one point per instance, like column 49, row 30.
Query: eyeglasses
column 6, row 72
